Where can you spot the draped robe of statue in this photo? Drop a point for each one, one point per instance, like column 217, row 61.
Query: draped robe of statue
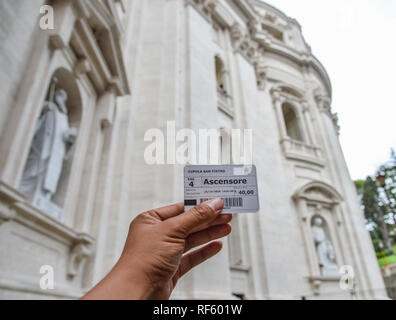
column 324, row 250
column 51, row 143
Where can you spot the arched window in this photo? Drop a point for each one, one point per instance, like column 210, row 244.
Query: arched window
column 321, row 219
column 291, row 122
column 220, row 81
column 223, row 86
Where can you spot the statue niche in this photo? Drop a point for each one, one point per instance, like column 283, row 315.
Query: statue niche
column 324, row 250
column 51, row 146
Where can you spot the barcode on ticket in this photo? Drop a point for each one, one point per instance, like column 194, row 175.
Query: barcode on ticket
column 228, row 202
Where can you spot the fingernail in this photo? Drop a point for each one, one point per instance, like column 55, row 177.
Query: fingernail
column 215, row 204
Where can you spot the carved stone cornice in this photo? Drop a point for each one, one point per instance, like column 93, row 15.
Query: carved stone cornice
column 81, row 250
column 319, row 193
column 6, row 213
column 254, row 41
column 283, row 93
column 82, row 67
column 316, row 282
column 275, row 42
column 324, row 104
column 305, row 60
column 214, row 10
column 14, row 206
column 276, row 94
column 335, row 119
column 323, row 101
column 244, row 44
column 204, row 7
column 96, row 36
column 305, row 106
column 261, row 75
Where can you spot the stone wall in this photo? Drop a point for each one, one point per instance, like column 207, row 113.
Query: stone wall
column 390, row 284
column 18, row 30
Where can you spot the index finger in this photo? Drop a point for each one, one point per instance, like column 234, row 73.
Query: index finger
column 197, row 217
column 170, row 211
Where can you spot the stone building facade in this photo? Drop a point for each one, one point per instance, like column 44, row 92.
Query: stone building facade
column 125, row 66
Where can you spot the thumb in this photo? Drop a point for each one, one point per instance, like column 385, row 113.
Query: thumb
column 198, row 216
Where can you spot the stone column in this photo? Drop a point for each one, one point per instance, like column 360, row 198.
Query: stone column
column 308, row 124
column 103, row 118
column 302, row 124
column 64, row 19
column 102, row 206
column 305, row 221
column 278, row 101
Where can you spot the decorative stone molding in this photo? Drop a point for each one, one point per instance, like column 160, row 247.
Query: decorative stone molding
column 224, row 103
column 14, row 206
column 305, row 149
column 305, row 106
column 261, row 75
column 6, row 213
column 7, row 197
column 237, row 33
column 213, row 10
column 323, row 101
column 204, row 7
column 283, row 93
column 256, row 41
column 335, row 119
column 82, row 9
column 315, row 286
column 240, row 267
column 316, row 283
column 244, row 44
column 81, row 250
column 221, row 15
column 96, row 36
column 298, row 150
column 276, row 94
column 320, row 193
column 82, row 67
column 106, row 107
column 56, row 42
column 273, row 30
column 271, row 17
column 321, row 196
column 324, row 104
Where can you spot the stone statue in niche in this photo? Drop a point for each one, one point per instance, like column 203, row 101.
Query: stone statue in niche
column 324, row 250
column 52, row 143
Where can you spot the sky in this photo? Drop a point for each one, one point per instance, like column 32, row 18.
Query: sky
column 356, row 42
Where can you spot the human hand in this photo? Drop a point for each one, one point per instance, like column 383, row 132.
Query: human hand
column 155, row 254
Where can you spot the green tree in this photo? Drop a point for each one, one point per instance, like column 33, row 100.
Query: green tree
column 388, row 190
column 373, row 208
